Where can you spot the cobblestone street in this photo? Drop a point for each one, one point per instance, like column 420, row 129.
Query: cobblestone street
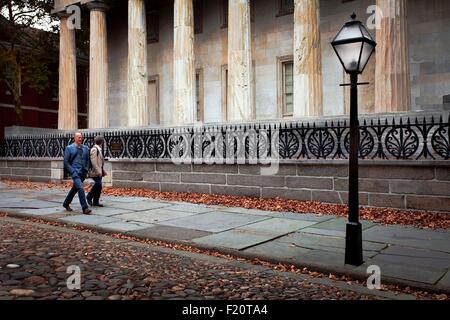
column 34, row 260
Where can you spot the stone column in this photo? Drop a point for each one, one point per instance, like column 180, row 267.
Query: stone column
column 240, row 70
column 392, row 83
column 308, row 100
column 183, row 63
column 137, row 89
column 98, row 67
column 68, row 103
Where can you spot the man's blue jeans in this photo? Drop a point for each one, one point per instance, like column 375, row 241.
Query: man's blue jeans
column 96, row 190
column 77, row 187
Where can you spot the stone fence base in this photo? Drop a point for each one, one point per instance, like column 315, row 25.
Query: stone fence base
column 418, row 185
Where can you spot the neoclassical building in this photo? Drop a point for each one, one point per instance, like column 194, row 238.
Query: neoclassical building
column 179, row 62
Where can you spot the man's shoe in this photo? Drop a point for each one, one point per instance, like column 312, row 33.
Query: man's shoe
column 87, row 211
column 67, row 207
column 98, row 205
column 89, row 201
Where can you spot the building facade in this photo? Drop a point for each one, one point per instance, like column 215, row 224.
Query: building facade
column 188, row 61
column 40, row 109
column 262, row 77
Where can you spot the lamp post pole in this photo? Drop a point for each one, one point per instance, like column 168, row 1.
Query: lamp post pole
column 353, row 45
column 353, row 240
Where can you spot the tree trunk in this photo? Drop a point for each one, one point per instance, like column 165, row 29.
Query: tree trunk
column 18, row 110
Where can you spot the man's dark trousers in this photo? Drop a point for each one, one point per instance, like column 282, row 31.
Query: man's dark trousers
column 77, row 188
column 96, row 190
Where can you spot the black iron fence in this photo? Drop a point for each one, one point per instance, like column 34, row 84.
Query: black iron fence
column 404, row 139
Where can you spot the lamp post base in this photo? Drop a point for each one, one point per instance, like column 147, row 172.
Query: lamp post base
column 353, row 244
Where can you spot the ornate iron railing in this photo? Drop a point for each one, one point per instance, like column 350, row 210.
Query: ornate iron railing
column 403, row 139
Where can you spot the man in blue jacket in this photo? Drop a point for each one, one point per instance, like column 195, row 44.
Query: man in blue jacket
column 76, row 162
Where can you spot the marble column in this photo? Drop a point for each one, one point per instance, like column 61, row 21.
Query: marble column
column 392, row 83
column 184, row 63
column 137, row 86
column 308, row 99
column 68, row 104
column 240, row 70
column 98, row 66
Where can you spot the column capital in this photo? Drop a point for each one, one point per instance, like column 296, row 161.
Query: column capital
column 98, row 6
column 62, row 14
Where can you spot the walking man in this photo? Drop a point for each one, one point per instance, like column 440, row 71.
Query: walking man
column 76, row 162
column 97, row 172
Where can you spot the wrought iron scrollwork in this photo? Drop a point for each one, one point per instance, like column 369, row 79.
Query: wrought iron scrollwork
column 321, row 143
column 440, row 141
column 406, row 139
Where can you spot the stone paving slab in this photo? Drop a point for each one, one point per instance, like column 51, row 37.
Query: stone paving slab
column 31, row 204
column 54, row 191
column 289, row 251
column 154, row 216
column 14, row 190
column 170, row 233
column 191, row 208
column 8, row 194
column 326, row 243
column 415, row 257
column 401, row 271
column 253, row 234
column 139, row 206
column 62, row 215
column 410, row 237
column 277, row 249
column 340, row 224
column 109, row 211
column 217, row 221
column 50, row 197
column 44, row 211
column 124, row 226
column 445, row 280
column 126, row 199
column 233, row 239
column 300, row 216
column 323, row 258
column 325, row 232
column 90, row 219
column 247, row 211
column 275, row 227
column 9, row 202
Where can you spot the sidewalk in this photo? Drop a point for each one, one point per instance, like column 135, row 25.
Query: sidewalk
column 407, row 256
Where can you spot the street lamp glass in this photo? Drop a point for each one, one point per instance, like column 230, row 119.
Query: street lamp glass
column 353, row 45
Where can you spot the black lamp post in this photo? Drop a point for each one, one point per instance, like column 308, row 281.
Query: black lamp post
column 354, row 46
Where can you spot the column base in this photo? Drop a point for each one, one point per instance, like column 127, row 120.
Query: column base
column 353, row 244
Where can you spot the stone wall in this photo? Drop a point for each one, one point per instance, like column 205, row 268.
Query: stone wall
column 28, row 170
column 39, row 170
column 406, row 186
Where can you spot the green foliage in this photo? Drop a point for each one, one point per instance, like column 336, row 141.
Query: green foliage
column 26, row 53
